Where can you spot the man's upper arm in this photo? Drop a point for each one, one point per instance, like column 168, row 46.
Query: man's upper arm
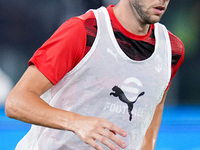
column 33, row 82
column 62, row 51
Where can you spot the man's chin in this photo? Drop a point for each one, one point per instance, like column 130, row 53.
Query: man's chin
column 153, row 20
column 156, row 18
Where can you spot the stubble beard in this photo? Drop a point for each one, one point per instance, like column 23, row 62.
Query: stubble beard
column 145, row 17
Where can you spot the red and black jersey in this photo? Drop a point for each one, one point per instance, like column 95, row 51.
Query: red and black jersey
column 71, row 42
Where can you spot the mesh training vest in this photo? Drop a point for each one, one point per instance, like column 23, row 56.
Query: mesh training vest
column 108, row 84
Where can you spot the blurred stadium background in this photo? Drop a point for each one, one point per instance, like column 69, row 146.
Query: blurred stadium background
column 26, row 25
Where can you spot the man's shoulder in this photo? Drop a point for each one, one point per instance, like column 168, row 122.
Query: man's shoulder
column 88, row 15
column 176, row 43
column 78, row 21
column 85, row 20
column 175, row 40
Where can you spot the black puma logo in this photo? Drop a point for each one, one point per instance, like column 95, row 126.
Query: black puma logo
column 119, row 93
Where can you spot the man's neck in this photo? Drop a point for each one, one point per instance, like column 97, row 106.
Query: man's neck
column 129, row 21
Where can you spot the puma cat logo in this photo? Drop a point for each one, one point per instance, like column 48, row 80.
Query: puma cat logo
column 122, row 97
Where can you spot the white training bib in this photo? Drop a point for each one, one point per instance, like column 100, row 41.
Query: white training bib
column 107, row 83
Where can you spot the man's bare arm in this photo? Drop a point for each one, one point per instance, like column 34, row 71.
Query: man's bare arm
column 150, row 138
column 24, row 103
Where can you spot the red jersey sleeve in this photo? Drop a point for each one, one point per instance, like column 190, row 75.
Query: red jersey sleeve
column 178, row 52
column 62, row 51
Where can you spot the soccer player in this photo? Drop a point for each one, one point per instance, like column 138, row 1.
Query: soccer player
column 100, row 81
